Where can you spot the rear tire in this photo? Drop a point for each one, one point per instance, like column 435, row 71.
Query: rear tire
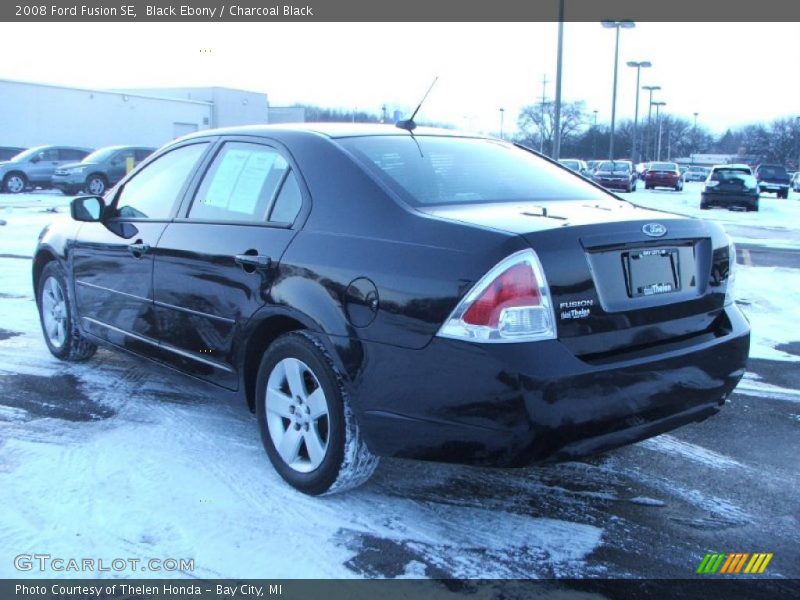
column 15, row 183
column 307, row 426
column 61, row 335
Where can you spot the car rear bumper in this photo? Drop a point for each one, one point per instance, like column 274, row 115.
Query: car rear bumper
column 661, row 182
column 614, row 184
column 728, row 200
column 515, row 404
column 773, row 187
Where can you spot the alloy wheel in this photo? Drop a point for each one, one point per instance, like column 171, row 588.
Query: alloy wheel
column 297, row 415
column 54, row 312
column 15, row 184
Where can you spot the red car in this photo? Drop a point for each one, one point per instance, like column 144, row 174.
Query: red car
column 663, row 174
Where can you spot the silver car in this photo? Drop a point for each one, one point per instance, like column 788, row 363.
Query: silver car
column 35, row 167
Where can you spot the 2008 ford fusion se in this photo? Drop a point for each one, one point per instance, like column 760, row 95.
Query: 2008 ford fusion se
column 374, row 291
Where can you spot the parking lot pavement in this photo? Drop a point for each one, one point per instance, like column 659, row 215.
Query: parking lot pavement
column 116, row 457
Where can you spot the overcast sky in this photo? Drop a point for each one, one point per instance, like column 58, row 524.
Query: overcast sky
column 730, row 73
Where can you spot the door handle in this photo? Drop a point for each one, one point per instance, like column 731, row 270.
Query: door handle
column 253, row 261
column 138, row 248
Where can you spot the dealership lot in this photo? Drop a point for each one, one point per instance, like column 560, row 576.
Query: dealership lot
column 117, row 458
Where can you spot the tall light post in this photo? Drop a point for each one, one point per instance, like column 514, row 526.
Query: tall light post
column 616, row 25
column 658, row 105
column 644, row 64
column 651, row 89
column 694, row 136
column 594, row 136
column 557, row 107
column 502, row 113
column 797, row 143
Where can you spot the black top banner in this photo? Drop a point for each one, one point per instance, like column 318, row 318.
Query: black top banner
column 400, row 10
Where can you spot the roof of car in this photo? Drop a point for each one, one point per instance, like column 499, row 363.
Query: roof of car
column 733, row 166
column 333, row 130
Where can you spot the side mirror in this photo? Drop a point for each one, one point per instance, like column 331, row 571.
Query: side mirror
column 87, row 208
column 36, row 158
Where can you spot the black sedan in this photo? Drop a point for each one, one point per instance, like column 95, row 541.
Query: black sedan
column 372, row 292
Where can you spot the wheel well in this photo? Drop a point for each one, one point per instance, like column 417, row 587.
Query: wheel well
column 266, row 333
column 98, row 174
column 42, row 258
column 10, row 173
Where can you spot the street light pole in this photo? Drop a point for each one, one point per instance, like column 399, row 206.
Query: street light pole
column 658, row 105
column 594, row 137
column 651, row 89
column 502, row 113
column 644, row 64
column 557, row 108
column 617, row 25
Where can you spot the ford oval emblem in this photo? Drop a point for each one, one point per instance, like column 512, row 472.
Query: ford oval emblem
column 654, row 229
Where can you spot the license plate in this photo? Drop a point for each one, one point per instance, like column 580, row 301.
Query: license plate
column 651, row 272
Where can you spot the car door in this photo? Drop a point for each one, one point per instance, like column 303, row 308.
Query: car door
column 214, row 263
column 42, row 166
column 112, row 260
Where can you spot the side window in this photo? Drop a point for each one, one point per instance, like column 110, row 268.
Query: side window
column 152, row 193
column 141, row 154
column 288, row 202
column 69, row 154
column 49, row 155
column 240, row 184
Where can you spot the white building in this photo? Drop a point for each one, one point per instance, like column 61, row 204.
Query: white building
column 33, row 114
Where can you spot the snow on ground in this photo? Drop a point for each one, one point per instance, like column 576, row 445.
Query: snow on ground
column 772, row 213
column 113, row 458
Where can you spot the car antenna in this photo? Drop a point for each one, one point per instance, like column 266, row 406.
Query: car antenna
column 409, row 124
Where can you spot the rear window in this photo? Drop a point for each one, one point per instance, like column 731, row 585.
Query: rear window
column 772, row 172
column 615, row 167
column 426, row 170
column 730, row 175
column 662, row 166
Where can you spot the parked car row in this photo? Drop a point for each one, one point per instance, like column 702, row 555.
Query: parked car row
column 68, row 168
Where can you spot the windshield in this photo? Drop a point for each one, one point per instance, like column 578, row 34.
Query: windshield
column 614, row 167
column 27, row 154
column 102, row 154
column 570, row 164
column 662, row 166
column 427, row 170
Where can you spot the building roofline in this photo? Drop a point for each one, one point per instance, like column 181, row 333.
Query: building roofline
column 110, row 92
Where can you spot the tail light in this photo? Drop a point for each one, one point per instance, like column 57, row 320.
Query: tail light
column 511, row 303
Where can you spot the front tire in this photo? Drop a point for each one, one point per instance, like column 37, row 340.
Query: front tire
column 61, row 335
column 96, row 184
column 15, row 183
column 307, row 426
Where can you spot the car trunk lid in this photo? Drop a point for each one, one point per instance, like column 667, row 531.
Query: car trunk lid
column 621, row 277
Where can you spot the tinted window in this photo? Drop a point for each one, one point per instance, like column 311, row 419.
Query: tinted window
column 68, row 154
column 664, row 167
column 288, row 202
column 240, row 184
column 615, row 167
column 440, row 170
column 152, row 193
column 99, row 155
column 772, row 172
column 48, row 155
column 142, row 154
